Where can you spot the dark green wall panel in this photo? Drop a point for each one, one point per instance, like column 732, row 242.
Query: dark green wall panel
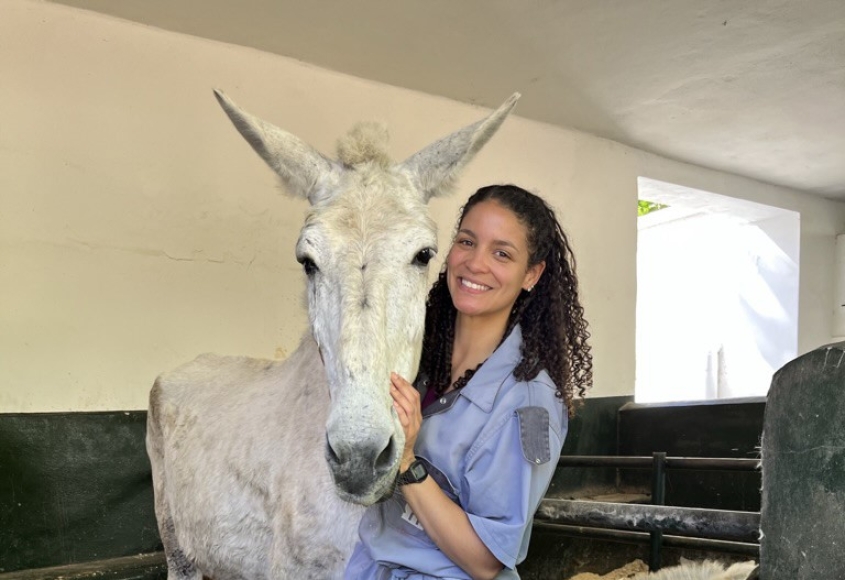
column 725, row 428
column 592, row 431
column 74, row 487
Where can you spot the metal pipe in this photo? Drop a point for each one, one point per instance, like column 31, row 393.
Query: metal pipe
column 633, row 537
column 682, row 521
column 645, row 462
column 658, row 497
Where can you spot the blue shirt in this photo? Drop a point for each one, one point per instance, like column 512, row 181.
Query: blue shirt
column 493, row 447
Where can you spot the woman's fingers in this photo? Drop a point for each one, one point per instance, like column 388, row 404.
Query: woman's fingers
column 404, row 394
column 404, row 419
column 403, row 387
column 406, row 400
column 400, row 404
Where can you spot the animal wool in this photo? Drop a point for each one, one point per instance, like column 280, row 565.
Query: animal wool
column 688, row 570
column 707, row 570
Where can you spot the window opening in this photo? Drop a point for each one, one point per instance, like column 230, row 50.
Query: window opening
column 717, row 294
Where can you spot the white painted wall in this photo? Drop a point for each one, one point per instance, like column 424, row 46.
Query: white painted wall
column 137, row 229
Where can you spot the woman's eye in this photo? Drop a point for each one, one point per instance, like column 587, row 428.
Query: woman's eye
column 423, row 257
column 502, row 255
column 308, row 265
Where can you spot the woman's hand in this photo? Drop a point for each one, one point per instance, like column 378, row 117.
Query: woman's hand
column 406, row 401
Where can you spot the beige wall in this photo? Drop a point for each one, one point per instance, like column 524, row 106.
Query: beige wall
column 137, row 229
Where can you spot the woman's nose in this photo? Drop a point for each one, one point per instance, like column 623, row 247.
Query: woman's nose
column 476, row 261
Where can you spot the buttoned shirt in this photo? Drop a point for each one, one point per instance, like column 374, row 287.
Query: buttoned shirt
column 492, row 447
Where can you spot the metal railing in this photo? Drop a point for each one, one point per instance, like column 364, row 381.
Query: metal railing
column 656, row 523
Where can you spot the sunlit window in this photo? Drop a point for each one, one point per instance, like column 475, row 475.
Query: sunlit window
column 717, row 294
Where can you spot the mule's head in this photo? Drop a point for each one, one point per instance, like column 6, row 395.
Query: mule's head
column 365, row 248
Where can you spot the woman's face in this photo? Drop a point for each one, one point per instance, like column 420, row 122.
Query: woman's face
column 487, row 265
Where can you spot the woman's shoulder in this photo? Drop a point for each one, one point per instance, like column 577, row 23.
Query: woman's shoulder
column 539, row 391
column 541, row 386
column 543, row 382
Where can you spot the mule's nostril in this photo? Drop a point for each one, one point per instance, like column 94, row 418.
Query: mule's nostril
column 384, row 461
column 330, row 453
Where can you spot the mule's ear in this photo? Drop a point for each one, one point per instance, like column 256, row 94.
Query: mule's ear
column 436, row 168
column 304, row 171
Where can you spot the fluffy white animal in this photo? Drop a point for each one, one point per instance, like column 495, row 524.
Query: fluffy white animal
column 261, row 468
column 688, row 570
column 707, row 570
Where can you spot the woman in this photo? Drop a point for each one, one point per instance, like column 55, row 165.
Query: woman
column 505, row 352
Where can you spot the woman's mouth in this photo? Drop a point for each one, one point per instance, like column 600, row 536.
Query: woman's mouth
column 473, row 286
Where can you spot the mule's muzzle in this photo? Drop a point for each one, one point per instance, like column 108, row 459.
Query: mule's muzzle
column 364, row 469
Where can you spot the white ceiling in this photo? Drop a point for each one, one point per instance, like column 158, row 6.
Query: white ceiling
column 752, row 87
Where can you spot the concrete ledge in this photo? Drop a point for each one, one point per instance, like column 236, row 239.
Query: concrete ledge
column 141, row 567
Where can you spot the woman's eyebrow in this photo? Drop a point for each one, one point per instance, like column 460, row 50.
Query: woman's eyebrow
column 507, row 244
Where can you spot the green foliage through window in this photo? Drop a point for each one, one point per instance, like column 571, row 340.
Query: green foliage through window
column 644, row 207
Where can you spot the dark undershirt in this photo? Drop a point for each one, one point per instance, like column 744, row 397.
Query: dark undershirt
column 430, row 396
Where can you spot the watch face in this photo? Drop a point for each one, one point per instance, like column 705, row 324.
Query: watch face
column 418, row 471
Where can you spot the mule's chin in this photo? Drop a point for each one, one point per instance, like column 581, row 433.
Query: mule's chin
column 379, row 491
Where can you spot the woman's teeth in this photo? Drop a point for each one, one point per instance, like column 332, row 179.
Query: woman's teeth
column 473, row 286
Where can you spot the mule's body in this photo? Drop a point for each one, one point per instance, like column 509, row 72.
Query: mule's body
column 248, row 489
column 261, row 468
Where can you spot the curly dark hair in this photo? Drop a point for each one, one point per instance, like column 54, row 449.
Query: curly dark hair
column 554, row 332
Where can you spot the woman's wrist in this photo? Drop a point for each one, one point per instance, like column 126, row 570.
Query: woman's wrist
column 406, row 462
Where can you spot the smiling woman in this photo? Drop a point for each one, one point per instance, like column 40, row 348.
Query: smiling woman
column 526, row 240
column 505, row 351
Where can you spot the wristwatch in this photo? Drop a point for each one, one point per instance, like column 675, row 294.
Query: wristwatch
column 415, row 473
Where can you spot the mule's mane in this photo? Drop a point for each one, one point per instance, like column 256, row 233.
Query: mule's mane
column 366, row 142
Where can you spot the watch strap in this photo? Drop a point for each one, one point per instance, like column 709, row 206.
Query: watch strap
column 416, row 473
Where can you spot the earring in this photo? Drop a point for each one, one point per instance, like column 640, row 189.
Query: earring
column 529, row 289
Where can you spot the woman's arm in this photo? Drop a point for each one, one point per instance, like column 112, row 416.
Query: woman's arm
column 443, row 520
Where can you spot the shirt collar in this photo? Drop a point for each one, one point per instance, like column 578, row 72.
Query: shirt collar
column 485, row 384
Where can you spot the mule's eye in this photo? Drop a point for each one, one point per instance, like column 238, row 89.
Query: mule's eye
column 423, row 257
column 308, row 265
